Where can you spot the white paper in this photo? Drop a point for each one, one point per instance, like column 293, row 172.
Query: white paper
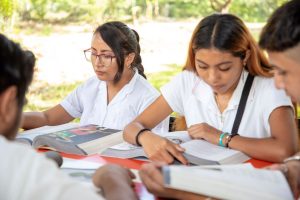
column 79, row 164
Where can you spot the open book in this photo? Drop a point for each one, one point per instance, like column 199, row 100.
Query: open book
column 197, row 152
column 229, row 182
column 81, row 140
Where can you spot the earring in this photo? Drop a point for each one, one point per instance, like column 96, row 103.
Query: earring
column 129, row 66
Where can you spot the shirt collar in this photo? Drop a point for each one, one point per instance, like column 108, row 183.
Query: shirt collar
column 203, row 92
column 127, row 89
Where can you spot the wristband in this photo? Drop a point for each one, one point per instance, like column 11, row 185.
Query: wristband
column 292, row 158
column 138, row 135
column 221, row 139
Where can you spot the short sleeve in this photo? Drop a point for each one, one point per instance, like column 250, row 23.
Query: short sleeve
column 72, row 103
column 148, row 96
column 273, row 98
column 177, row 90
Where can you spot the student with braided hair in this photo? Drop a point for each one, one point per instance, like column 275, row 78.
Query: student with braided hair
column 116, row 95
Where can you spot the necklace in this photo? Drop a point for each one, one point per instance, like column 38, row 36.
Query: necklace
column 217, row 102
column 219, row 107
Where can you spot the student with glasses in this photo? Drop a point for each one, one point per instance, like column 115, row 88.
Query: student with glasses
column 116, row 95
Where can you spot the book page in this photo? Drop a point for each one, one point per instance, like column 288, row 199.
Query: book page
column 124, row 146
column 32, row 133
column 127, row 150
column 79, row 164
column 231, row 166
column 230, row 182
column 205, row 150
column 178, row 137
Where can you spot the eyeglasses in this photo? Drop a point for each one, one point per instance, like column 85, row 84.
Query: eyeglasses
column 104, row 59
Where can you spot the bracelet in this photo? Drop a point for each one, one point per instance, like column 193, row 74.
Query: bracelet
column 138, row 135
column 229, row 139
column 292, row 158
column 221, row 139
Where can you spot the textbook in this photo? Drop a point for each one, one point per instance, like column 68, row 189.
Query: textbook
column 80, row 140
column 229, row 182
column 197, row 152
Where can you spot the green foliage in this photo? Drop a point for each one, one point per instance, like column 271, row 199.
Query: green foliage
column 38, row 9
column 254, row 10
column 83, row 10
column 187, row 8
column 97, row 11
column 116, row 10
column 159, row 79
column 7, row 8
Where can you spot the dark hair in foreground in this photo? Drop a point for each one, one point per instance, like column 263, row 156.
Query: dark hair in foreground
column 282, row 30
column 123, row 41
column 16, row 68
column 228, row 33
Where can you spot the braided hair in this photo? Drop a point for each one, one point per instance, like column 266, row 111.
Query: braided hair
column 123, row 41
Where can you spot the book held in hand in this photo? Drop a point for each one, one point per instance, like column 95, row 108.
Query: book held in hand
column 234, row 182
column 80, row 140
column 197, row 152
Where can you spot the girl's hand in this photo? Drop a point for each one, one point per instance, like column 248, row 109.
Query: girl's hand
column 204, row 131
column 161, row 149
column 153, row 180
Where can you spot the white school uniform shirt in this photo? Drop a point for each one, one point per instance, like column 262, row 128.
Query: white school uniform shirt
column 190, row 96
column 89, row 103
column 27, row 175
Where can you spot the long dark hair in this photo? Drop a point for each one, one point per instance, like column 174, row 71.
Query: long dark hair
column 123, row 41
column 227, row 33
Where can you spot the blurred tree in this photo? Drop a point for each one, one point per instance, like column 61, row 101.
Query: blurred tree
column 152, row 10
column 221, row 6
column 97, row 11
column 7, row 14
column 118, row 10
column 254, row 10
column 38, row 9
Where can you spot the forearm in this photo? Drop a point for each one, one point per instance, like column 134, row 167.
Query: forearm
column 131, row 130
column 268, row 149
column 54, row 116
column 32, row 120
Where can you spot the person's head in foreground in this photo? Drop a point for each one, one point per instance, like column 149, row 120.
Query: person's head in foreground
column 25, row 174
column 281, row 39
column 16, row 71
